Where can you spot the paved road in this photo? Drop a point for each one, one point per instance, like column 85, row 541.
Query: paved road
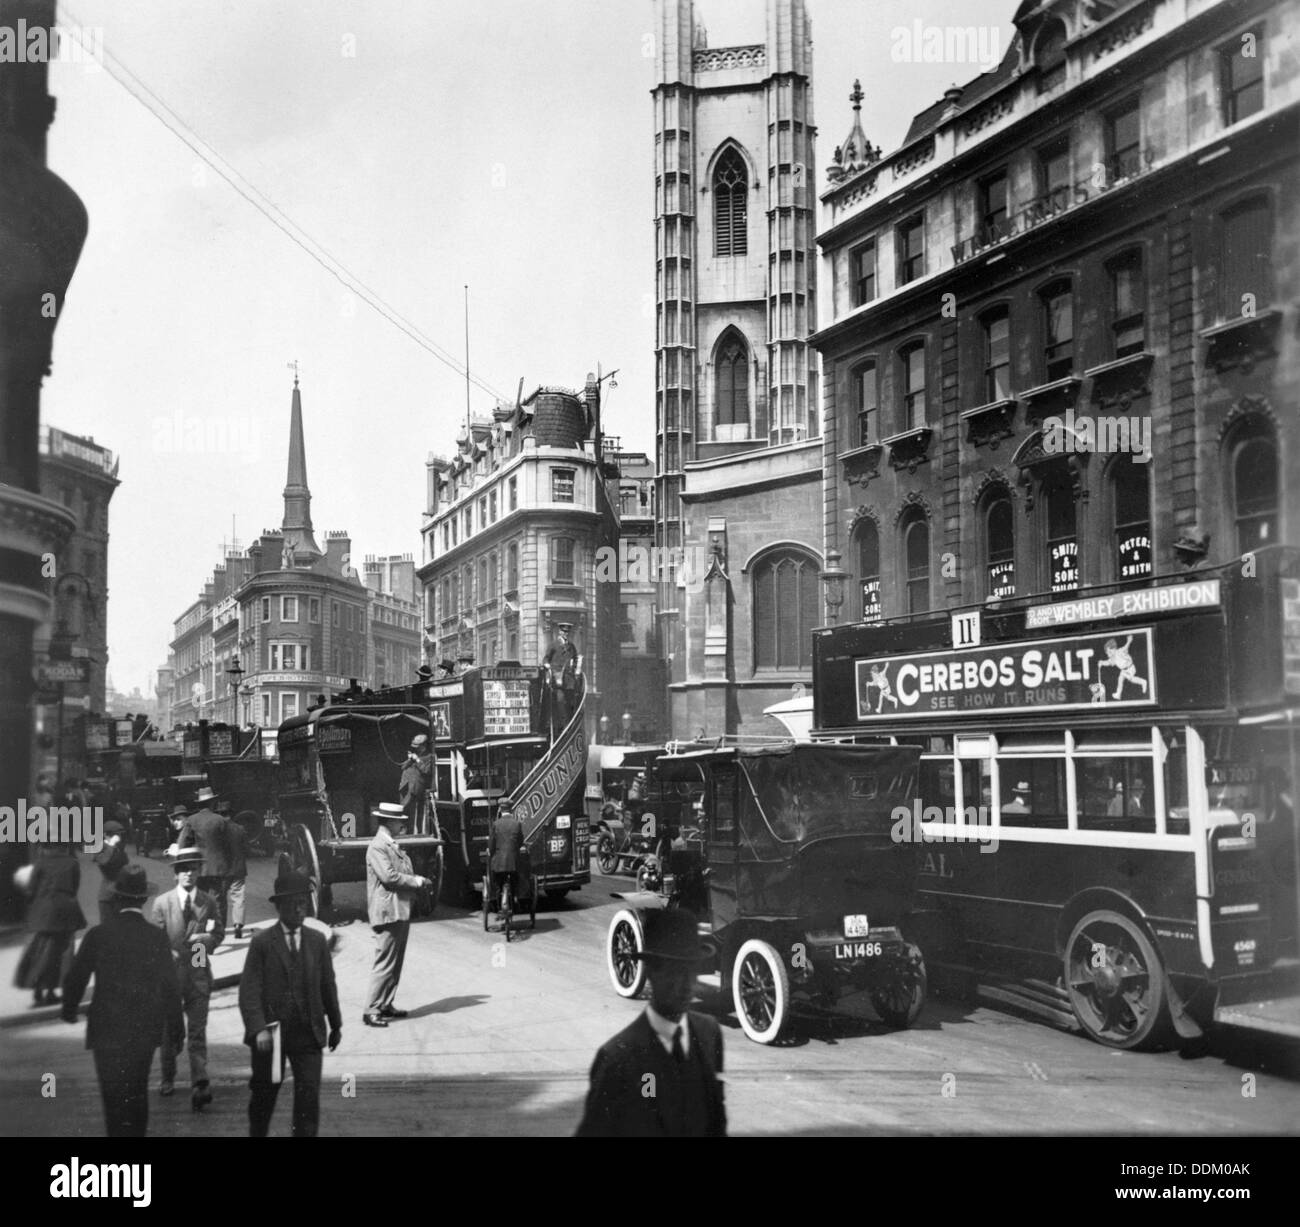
column 500, row 1039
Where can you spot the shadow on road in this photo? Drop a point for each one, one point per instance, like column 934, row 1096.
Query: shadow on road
column 448, row 1005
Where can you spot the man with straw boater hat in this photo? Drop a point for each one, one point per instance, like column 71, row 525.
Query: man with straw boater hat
column 194, row 930
column 659, row 1077
column 287, row 994
column 391, row 882
column 136, row 997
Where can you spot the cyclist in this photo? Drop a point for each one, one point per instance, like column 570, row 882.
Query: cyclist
column 505, row 842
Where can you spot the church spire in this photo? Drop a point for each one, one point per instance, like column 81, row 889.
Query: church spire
column 297, row 528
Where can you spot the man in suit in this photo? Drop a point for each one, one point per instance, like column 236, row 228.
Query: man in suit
column 561, row 666
column 136, row 997
column 288, row 984
column 209, row 831
column 658, row 1077
column 505, row 841
column 417, row 779
column 194, row 930
column 391, row 881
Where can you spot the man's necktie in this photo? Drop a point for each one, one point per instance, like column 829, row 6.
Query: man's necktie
column 293, row 947
column 187, row 914
column 679, row 1053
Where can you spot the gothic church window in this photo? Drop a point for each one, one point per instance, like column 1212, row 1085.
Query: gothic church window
column 730, row 205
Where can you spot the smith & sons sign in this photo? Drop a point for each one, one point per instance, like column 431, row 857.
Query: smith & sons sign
column 1110, row 670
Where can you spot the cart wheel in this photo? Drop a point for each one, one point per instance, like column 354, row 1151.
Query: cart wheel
column 899, row 1002
column 1116, row 981
column 507, row 905
column 605, row 858
column 302, row 854
column 760, row 986
column 625, row 942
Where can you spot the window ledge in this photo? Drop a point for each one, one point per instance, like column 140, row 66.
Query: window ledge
column 1059, row 394
column 990, row 424
column 861, row 464
column 909, row 448
column 1121, row 380
column 1242, row 342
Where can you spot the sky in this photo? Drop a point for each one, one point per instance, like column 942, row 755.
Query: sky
column 506, row 145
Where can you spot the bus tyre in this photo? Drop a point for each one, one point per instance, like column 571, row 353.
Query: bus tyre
column 760, row 986
column 623, row 948
column 1116, row 981
column 900, row 1000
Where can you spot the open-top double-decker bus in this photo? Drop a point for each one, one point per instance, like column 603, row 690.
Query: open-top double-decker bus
column 493, row 739
column 1106, row 793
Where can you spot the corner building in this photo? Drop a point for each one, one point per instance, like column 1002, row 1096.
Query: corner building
column 738, row 458
column 1093, row 249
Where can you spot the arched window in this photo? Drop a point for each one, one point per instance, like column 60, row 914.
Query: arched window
column 512, row 567
column 867, row 538
column 1131, row 489
column 1000, row 545
column 1254, row 475
column 787, row 604
column 1062, row 531
column 730, row 205
column 731, row 379
column 915, row 539
column 911, row 360
column 866, row 396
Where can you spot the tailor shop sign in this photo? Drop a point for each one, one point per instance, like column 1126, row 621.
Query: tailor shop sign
column 1086, row 672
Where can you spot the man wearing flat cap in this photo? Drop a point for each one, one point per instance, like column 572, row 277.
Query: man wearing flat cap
column 659, row 1077
column 287, row 994
column 136, row 997
column 391, row 882
column 190, row 918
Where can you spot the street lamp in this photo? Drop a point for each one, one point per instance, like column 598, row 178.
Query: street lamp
column 627, row 728
column 833, row 577
column 234, row 673
column 604, row 729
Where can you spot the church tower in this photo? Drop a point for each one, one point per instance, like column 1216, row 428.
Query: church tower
column 300, row 546
column 736, row 293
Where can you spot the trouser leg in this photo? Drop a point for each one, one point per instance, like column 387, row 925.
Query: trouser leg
column 390, row 950
column 261, row 1103
column 236, row 901
column 124, row 1087
column 198, row 994
column 306, row 1091
column 167, row 1055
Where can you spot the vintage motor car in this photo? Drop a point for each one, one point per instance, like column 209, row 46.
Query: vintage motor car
column 788, row 861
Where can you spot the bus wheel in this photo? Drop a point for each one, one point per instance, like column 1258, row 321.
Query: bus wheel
column 760, row 987
column 899, row 1001
column 1116, row 981
column 622, row 948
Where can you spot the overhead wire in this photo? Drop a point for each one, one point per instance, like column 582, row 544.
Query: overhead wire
column 279, row 218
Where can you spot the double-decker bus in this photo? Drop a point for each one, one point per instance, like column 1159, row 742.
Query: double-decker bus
column 493, row 739
column 1106, row 793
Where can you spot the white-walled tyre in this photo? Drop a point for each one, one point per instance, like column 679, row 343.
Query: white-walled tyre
column 760, row 988
column 623, row 949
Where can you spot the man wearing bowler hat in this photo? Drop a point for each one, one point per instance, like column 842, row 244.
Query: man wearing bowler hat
column 194, row 930
column 391, row 881
column 136, row 997
column 288, row 988
column 659, row 1077
column 209, row 831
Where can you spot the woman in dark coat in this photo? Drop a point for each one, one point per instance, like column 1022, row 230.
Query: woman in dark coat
column 53, row 918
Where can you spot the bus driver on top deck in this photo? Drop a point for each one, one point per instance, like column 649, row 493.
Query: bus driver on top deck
column 561, row 667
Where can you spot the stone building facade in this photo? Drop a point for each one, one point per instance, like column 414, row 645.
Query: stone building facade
column 1064, row 348
column 515, row 524
column 737, row 421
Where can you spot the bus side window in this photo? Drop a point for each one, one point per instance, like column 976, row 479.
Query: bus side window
column 723, row 817
column 1115, row 794
column 442, row 777
column 1033, row 792
column 936, row 787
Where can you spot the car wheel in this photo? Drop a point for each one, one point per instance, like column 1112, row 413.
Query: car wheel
column 760, row 986
column 605, row 858
column 899, row 1002
column 623, row 947
column 1116, row 981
